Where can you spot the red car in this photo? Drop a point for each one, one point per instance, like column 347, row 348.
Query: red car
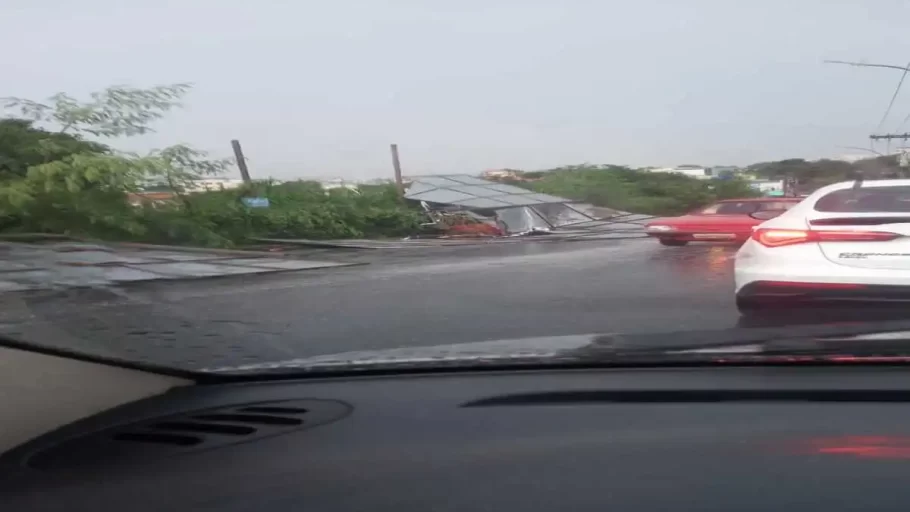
column 730, row 220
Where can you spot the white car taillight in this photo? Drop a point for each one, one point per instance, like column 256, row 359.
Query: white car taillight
column 659, row 228
column 771, row 237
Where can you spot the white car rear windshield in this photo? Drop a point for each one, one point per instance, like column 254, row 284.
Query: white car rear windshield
column 866, row 200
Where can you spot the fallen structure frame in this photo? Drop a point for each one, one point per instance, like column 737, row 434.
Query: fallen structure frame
column 511, row 213
column 515, row 211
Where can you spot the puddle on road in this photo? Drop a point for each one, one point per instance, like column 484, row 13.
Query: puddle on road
column 713, row 263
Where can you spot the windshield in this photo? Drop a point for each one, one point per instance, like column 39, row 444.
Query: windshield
column 236, row 185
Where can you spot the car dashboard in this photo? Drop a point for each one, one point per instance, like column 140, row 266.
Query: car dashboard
column 703, row 438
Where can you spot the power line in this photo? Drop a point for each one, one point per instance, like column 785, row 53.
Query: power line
column 887, row 137
column 897, row 90
column 866, row 64
column 903, row 123
column 870, row 150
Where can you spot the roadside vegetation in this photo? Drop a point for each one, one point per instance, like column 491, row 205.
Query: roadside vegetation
column 812, row 174
column 57, row 176
column 632, row 190
column 60, row 174
column 650, row 193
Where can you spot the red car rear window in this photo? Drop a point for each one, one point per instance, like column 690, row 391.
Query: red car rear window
column 746, row 207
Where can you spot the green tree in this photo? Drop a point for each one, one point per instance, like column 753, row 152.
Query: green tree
column 812, row 174
column 61, row 186
column 805, row 171
column 121, row 111
column 633, row 190
column 82, row 194
column 179, row 165
column 23, row 146
column 81, row 187
column 117, row 111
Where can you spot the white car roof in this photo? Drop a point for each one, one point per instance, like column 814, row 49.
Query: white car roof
column 843, row 185
column 807, row 204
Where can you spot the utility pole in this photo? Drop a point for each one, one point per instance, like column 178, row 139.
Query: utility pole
column 241, row 161
column 396, row 164
column 903, row 158
column 889, row 137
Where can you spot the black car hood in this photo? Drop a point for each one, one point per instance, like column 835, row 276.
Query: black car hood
column 575, row 348
column 483, row 351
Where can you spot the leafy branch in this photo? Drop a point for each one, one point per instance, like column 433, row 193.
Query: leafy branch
column 117, row 111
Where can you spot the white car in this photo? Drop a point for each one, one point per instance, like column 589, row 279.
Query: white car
column 847, row 241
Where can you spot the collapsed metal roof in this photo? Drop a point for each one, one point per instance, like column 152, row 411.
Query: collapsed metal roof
column 470, row 192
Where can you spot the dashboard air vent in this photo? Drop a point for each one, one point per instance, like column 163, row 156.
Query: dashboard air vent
column 186, row 432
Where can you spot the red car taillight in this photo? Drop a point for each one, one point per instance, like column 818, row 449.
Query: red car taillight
column 771, row 237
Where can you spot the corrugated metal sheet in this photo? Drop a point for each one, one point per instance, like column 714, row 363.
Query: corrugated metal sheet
column 472, row 192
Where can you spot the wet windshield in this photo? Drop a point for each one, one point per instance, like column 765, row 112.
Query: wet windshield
column 230, row 185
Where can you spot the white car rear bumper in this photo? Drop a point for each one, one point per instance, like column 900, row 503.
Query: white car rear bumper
column 767, row 272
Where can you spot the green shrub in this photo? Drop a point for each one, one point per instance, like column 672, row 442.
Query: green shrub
column 297, row 210
column 636, row 191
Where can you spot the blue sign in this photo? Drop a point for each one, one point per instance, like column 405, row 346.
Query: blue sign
column 256, row 202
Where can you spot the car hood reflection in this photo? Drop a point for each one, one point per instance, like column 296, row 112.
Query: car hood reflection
column 586, row 348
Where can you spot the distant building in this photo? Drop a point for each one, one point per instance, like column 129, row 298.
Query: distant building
column 692, row 171
column 726, row 172
column 856, row 157
column 377, row 181
column 338, row 183
column 149, row 198
column 212, row 184
column 498, row 174
column 768, row 187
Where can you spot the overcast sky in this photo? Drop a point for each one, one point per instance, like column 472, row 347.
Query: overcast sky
column 320, row 89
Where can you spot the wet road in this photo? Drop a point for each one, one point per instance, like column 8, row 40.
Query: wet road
column 419, row 299
column 410, row 299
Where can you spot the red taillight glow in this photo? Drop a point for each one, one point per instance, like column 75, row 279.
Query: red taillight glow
column 771, row 237
column 864, row 447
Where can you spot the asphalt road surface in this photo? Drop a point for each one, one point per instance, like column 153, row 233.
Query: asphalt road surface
column 399, row 300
